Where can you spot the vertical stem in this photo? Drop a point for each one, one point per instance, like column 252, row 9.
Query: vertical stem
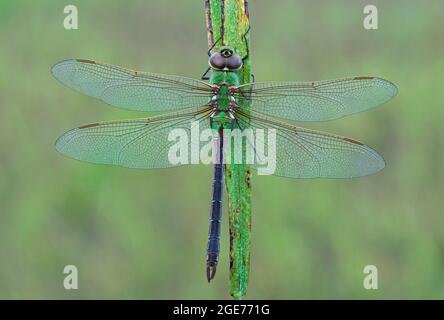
column 229, row 19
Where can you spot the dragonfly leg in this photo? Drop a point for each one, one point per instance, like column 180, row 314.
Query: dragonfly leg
column 247, row 45
column 252, row 85
column 247, row 49
column 214, row 44
column 247, row 95
column 204, row 76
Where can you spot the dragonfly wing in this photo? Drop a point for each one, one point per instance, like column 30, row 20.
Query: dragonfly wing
column 138, row 143
column 317, row 101
column 132, row 90
column 303, row 153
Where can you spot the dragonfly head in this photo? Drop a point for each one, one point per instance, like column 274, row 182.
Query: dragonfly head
column 225, row 59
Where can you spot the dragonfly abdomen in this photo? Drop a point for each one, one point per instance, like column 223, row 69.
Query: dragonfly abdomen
column 213, row 248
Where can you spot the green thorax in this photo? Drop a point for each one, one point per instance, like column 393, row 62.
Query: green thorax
column 223, row 79
column 221, row 76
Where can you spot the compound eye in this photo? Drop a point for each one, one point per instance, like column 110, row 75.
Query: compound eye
column 217, row 61
column 234, row 62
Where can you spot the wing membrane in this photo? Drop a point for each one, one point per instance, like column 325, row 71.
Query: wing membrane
column 303, row 153
column 317, row 101
column 138, row 143
column 129, row 89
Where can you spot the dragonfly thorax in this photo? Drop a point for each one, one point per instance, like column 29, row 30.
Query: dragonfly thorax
column 224, row 86
column 223, row 97
column 223, row 103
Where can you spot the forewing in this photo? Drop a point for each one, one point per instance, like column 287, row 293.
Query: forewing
column 316, row 101
column 129, row 89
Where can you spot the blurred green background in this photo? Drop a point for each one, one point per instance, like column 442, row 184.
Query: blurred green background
column 142, row 234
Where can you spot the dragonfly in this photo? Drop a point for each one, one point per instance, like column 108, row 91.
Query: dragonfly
column 217, row 105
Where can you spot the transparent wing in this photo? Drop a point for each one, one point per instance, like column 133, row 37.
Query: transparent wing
column 138, row 143
column 303, row 153
column 129, row 89
column 317, row 101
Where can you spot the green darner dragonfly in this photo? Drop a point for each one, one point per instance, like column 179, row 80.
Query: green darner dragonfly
column 143, row 143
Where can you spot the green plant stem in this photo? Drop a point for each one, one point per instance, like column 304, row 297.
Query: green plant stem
column 229, row 19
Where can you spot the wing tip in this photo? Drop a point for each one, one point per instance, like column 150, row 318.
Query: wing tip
column 55, row 69
column 378, row 163
column 381, row 163
column 62, row 62
column 66, row 61
column 60, row 143
column 388, row 83
column 391, row 85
